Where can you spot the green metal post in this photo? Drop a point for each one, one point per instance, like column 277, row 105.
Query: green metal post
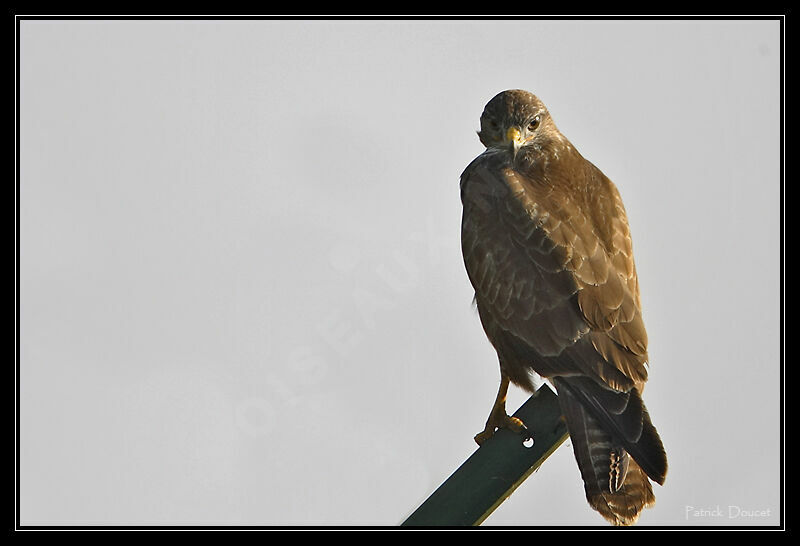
column 496, row 469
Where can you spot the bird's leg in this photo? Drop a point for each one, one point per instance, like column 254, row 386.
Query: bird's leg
column 498, row 418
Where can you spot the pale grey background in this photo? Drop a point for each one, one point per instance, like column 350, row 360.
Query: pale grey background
column 242, row 293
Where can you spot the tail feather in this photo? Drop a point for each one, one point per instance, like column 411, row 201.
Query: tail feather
column 622, row 415
column 624, row 506
column 609, row 449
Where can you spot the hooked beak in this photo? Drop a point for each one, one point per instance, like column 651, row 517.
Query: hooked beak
column 513, row 139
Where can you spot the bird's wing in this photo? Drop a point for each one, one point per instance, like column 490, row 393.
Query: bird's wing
column 609, row 287
column 551, row 269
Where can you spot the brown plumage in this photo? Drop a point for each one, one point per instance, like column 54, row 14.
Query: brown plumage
column 547, row 248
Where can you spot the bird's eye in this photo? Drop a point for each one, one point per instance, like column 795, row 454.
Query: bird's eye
column 534, row 123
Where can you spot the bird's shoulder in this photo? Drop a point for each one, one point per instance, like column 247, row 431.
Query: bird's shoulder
column 565, row 194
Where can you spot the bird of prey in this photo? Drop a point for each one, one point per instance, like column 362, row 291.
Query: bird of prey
column 548, row 250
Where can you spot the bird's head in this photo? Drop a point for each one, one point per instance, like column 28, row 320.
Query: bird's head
column 516, row 119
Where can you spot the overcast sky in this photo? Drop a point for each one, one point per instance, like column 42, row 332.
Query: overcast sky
column 242, row 293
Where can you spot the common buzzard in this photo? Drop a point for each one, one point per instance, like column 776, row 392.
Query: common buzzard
column 548, row 251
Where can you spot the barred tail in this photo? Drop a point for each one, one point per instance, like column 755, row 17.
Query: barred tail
column 610, row 432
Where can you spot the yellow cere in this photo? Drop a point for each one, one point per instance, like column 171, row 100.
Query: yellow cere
column 513, row 134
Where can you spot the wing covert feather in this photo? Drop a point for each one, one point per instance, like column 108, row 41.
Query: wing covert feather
column 550, row 268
